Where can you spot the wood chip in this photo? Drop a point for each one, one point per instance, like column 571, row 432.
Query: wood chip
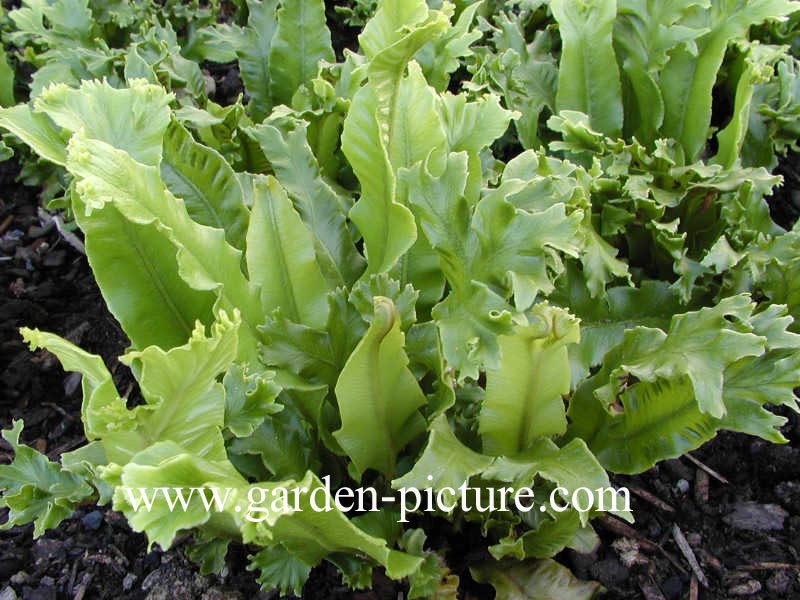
column 707, row 469
column 654, row 500
column 69, row 237
column 651, row 591
column 72, row 575
column 621, row 529
column 688, row 554
column 694, row 589
column 768, row 566
column 701, row 487
column 81, row 591
column 709, row 560
column 6, row 222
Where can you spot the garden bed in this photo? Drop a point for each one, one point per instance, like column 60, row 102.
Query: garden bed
column 48, row 284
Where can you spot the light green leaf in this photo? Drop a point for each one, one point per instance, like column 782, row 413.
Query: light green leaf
column 524, row 395
column 387, row 227
column 205, row 260
column 206, row 183
column 516, row 247
column 95, row 107
column 688, row 78
column 388, row 126
column 281, row 258
column 698, row 344
column 279, row 570
column 645, row 32
column 588, row 77
column 550, row 537
column 404, row 298
column 604, row 320
column 534, row 580
column 248, row 399
column 570, row 467
column 301, row 40
column 297, row 170
column 185, row 403
column 445, row 463
column 311, row 535
column 153, row 303
column 653, row 421
column 284, row 442
column 102, row 408
column 6, row 81
column 378, row 396
column 36, row 130
column 442, row 57
column 254, row 50
column 163, row 468
column 37, row 489
column 759, row 62
column 469, row 323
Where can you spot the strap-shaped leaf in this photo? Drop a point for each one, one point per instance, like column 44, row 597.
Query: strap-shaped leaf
column 687, row 114
column 698, row 344
column 281, row 258
column 387, row 227
column 297, row 170
column 524, row 394
column 153, row 303
column 301, row 40
column 388, row 127
column 645, row 32
column 604, row 320
column 102, row 407
column 253, row 50
column 571, row 467
column 165, row 469
column 655, row 421
column 549, row 538
column 206, row 183
column 185, row 403
column 588, row 76
column 447, row 461
column 660, row 420
column 205, row 260
column 378, row 395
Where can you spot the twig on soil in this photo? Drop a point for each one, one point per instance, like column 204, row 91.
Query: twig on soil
column 701, row 487
column 72, row 574
column 654, row 500
column 621, row 529
column 688, row 554
column 79, row 594
column 123, row 559
column 6, row 222
column 68, row 236
column 59, row 410
column 707, row 469
column 768, row 566
column 650, row 590
column 694, row 591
